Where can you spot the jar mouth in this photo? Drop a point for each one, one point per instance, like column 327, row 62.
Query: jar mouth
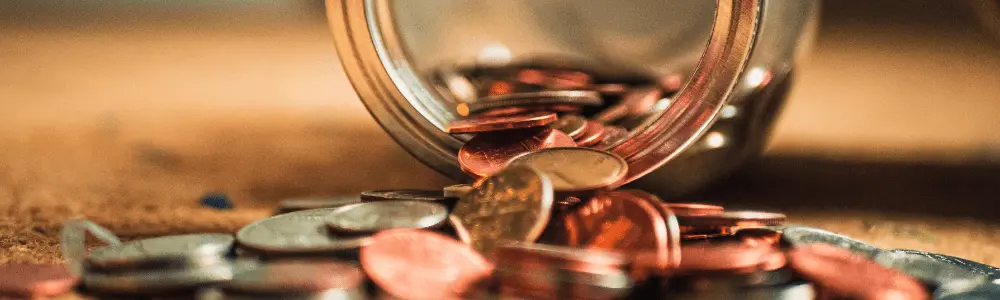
column 374, row 55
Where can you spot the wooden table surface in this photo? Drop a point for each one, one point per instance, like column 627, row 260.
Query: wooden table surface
column 890, row 135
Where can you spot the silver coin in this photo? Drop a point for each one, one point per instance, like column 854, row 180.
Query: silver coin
column 791, row 291
column 383, row 215
column 457, row 191
column 158, row 280
column 576, row 169
column 299, row 204
column 578, row 97
column 72, row 241
column 988, row 291
column 296, row 232
column 293, row 277
column 948, row 278
column 800, row 235
column 189, row 249
column 572, row 125
column 415, row 195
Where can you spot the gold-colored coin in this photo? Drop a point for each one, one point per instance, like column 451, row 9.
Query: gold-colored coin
column 511, row 206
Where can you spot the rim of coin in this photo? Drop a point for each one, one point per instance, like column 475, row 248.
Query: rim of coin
column 293, row 276
column 572, row 125
column 846, row 274
column 457, row 191
column 488, row 153
column 571, row 97
column 296, row 232
column 404, row 194
column 673, row 233
column 511, row 206
column 35, row 280
column 307, row 203
column 635, row 101
column 575, row 259
column 593, row 134
column 574, row 169
column 172, row 250
column 368, row 217
column 731, row 257
column 803, row 235
column 694, row 209
column 732, row 219
column 485, row 124
column 759, row 236
column 73, row 242
column 408, row 263
column 159, row 280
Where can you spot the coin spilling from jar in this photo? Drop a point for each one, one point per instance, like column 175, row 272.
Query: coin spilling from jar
column 543, row 219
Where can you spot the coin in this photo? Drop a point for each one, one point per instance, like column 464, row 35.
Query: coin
column 755, row 236
column 613, row 89
column 536, row 271
column 623, row 222
column 990, row 272
column 382, row 215
column 298, row 204
column 802, row 235
column 296, row 232
column 945, row 276
column 576, row 259
column 732, row 219
column 487, row 153
column 72, row 242
column 572, row 97
column 485, row 124
column 613, row 135
column 35, row 281
column 592, row 135
column 457, row 191
column 988, row 291
column 843, row 274
column 188, row 249
column 790, row 291
column 731, row 257
column 415, row 264
column 511, row 206
column 572, row 125
column 157, row 280
column 293, row 276
column 694, row 209
column 636, row 101
column 415, row 195
column 576, row 169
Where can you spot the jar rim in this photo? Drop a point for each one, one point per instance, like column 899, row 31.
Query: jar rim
column 374, row 59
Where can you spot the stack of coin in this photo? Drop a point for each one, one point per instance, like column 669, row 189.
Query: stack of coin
column 169, row 264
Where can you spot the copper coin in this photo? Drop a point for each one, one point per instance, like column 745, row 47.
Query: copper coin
column 485, row 124
column 593, row 135
column 637, row 101
column 565, row 79
column 293, row 276
column 516, row 110
column 574, row 169
column 488, row 153
column 732, row 219
column 31, row 280
column 613, row 89
column 500, row 88
column 613, row 135
column 759, row 236
column 694, row 209
column 414, row 264
column 574, row 259
column 570, row 97
column 843, row 274
column 404, row 195
column 511, row 206
column 572, row 125
column 731, row 257
column 623, row 222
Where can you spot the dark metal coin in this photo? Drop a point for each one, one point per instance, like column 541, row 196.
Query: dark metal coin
column 415, row 195
column 189, row 249
column 383, row 215
column 298, row 232
column 572, row 125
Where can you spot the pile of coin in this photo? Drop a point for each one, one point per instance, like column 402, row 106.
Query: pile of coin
column 543, row 220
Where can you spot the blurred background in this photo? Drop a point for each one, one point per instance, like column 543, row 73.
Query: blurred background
column 126, row 112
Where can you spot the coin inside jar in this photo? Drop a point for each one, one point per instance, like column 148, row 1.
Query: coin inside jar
column 572, row 125
column 415, row 264
column 576, row 169
column 298, row 204
column 487, row 153
column 592, row 135
column 511, row 206
column 485, row 124
column 383, row 215
column 573, row 97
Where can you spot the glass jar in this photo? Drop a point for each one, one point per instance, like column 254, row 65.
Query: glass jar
column 736, row 57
